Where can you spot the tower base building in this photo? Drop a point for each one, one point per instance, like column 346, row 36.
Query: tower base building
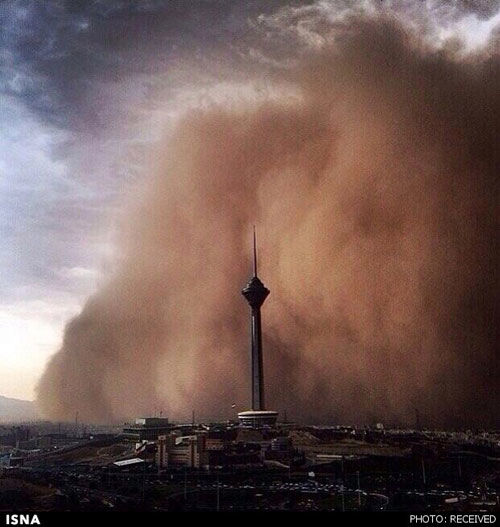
column 258, row 418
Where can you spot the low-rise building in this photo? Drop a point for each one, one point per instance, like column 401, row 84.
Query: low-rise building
column 147, row 429
column 184, row 451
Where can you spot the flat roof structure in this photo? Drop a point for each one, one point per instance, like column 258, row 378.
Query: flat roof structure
column 257, row 418
column 128, row 462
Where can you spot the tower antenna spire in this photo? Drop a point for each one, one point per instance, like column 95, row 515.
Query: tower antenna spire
column 254, row 253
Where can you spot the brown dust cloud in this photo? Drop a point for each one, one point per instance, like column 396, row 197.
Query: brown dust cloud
column 373, row 183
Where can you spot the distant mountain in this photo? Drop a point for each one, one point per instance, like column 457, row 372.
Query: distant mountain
column 16, row 410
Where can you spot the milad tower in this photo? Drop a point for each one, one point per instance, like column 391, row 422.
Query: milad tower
column 256, row 293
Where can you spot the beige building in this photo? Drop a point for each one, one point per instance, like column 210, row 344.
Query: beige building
column 184, row 451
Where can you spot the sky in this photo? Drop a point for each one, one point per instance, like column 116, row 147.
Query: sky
column 87, row 89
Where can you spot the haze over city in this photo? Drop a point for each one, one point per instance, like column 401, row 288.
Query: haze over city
column 140, row 143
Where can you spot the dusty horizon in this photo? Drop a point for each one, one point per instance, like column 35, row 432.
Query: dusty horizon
column 372, row 182
column 139, row 144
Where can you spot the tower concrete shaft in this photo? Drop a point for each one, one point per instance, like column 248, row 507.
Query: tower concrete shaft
column 256, row 293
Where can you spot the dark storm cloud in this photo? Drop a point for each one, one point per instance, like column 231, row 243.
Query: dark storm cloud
column 482, row 8
column 75, row 57
column 80, row 65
